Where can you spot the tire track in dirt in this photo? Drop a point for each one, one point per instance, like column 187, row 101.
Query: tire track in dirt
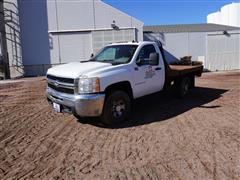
column 193, row 138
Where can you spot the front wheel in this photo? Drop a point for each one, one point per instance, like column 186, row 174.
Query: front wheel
column 117, row 108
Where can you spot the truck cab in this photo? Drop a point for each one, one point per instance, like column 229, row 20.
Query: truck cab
column 106, row 84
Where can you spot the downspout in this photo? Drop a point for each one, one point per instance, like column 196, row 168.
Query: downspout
column 59, row 45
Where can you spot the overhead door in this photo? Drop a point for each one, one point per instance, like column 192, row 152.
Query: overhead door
column 102, row 37
column 223, row 51
column 69, row 47
column 77, row 46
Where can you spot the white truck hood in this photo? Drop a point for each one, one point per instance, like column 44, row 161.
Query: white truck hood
column 75, row 69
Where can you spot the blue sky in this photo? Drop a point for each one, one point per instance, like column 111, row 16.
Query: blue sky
column 155, row 12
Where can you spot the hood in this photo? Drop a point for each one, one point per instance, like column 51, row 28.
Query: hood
column 75, row 69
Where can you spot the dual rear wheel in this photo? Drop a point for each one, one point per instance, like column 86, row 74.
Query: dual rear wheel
column 183, row 86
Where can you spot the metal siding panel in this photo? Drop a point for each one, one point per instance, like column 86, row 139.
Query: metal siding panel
column 75, row 15
column 54, row 49
column 177, row 44
column 223, row 52
column 197, row 46
column 105, row 14
column 103, row 37
column 75, row 47
column 139, row 33
column 181, row 44
column 52, row 15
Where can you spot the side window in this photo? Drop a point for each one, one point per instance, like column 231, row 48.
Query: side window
column 145, row 52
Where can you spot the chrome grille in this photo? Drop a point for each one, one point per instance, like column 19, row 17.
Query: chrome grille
column 63, row 85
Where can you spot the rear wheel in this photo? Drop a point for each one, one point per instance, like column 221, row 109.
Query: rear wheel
column 182, row 87
column 192, row 82
column 117, row 108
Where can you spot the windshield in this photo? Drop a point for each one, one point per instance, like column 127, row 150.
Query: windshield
column 117, row 54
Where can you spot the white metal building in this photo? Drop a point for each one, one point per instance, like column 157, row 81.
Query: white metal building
column 44, row 33
column 217, row 46
column 60, row 31
column 228, row 15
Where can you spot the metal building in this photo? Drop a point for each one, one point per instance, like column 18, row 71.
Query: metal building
column 51, row 32
column 217, row 46
column 39, row 34
column 11, row 64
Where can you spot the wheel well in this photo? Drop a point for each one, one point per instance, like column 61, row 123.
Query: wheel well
column 122, row 86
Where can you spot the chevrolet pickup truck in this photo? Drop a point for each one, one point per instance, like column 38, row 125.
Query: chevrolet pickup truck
column 107, row 84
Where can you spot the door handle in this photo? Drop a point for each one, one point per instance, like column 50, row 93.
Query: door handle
column 158, row 68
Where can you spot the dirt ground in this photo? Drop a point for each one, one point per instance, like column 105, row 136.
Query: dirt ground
column 197, row 137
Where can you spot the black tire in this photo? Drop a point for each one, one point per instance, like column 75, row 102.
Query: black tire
column 192, row 82
column 117, row 108
column 182, row 87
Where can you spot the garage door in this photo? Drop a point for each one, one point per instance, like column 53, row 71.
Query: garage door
column 69, row 47
column 223, row 51
column 102, row 37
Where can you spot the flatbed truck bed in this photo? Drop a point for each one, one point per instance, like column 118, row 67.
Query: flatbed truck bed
column 180, row 70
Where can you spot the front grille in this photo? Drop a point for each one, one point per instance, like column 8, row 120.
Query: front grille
column 60, row 84
column 61, row 89
column 60, row 79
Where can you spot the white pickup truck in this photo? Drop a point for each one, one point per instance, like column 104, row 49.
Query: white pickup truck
column 107, row 84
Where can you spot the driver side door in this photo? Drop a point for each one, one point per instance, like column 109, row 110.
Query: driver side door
column 146, row 76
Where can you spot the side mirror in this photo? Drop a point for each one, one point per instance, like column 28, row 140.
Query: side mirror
column 92, row 55
column 154, row 59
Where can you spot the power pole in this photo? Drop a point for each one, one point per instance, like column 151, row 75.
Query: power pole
column 3, row 42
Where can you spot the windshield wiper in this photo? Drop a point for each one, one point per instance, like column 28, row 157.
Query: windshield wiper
column 90, row 60
column 111, row 62
column 104, row 61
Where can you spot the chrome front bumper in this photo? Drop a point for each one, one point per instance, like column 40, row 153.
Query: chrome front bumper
column 88, row 105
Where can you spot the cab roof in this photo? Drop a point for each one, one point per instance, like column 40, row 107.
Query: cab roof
column 131, row 43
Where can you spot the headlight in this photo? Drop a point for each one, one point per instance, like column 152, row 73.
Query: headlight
column 88, row 85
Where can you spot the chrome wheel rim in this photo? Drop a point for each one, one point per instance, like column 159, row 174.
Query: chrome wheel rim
column 118, row 108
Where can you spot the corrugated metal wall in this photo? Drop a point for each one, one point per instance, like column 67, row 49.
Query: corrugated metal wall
column 103, row 37
column 43, row 48
column 78, row 46
column 177, row 45
column 69, row 47
column 223, row 51
column 216, row 50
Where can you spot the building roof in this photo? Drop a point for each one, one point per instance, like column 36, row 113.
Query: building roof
column 189, row 28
